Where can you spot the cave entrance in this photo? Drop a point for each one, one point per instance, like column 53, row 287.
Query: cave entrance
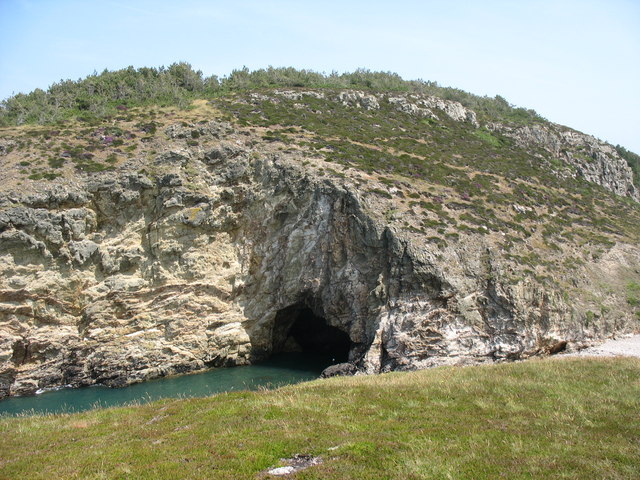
column 298, row 329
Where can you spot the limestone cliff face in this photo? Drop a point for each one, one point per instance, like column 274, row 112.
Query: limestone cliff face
column 189, row 261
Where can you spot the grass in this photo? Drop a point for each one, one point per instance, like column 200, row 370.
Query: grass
column 552, row 418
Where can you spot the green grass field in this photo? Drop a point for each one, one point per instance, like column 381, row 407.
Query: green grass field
column 552, row 418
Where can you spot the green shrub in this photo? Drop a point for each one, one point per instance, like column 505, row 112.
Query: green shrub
column 633, row 160
column 56, row 162
column 633, row 294
column 113, row 92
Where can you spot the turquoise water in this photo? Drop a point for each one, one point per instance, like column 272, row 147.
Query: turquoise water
column 280, row 370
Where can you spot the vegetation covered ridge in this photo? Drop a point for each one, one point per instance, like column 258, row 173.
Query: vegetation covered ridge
column 106, row 94
column 560, row 418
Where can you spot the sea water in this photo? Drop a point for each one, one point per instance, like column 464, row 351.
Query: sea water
column 281, row 369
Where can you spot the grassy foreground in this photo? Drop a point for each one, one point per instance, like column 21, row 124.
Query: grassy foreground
column 552, row 418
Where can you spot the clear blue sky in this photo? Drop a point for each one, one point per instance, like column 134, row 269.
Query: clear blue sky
column 575, row 62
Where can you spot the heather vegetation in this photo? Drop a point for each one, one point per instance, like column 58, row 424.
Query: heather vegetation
column 476, row 175
column 110, row 92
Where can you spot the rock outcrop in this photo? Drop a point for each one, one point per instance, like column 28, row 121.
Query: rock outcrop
column 586, row 156
column 339, row 370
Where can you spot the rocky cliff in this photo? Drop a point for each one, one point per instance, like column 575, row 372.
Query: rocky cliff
column 246, row 226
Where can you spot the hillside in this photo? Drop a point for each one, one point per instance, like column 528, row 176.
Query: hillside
column 158, row 222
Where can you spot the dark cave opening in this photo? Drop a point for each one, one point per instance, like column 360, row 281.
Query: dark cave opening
column 298, row 329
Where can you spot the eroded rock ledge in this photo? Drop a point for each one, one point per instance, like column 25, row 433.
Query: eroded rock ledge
column 120, row 277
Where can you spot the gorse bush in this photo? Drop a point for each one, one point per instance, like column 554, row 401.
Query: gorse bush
column 108, row 93
column 113, row 92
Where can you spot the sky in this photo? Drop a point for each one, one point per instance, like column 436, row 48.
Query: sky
column 575, row 62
